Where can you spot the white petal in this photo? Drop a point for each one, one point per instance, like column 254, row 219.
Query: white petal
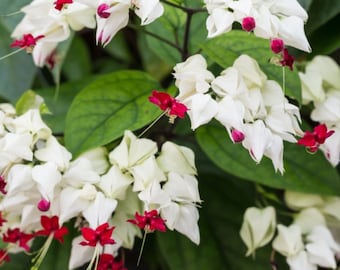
column 202, row 108
column 296, row 38
column 176, row 158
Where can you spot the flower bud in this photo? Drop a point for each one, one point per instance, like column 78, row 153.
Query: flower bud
column 248, row 24
column 237, row 136
column 101, row 11
column 43, row 205
column 276, row 45
column 258, row 227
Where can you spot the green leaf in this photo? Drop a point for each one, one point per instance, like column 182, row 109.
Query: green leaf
column 9, row 15
column 171, row 26
column 107, row 107
column 320, row 12
column 16, row 72
column 59, row 106
column 324, row 40
column 226, row 48
column 28, row 101
column 303, row 172
column 77, row 63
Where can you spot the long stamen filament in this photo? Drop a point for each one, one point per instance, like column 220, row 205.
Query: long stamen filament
column 142, row 247
column 153, row 123
column 11, row 53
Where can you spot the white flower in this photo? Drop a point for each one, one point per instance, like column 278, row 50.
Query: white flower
column 79, row 254
column 108, row 27
column 301, row 261
column 132, row 151
column 98, row 159
column 176, row 158
column 53, row 151
column 298, row 201
column 100, row 210
column 258, row 227
column 183, row 218
column 202, row 108
column 146, row 173
column 308, row 218
column 17, row 146
column 30, row 122
column 148, row 10
column 192, row 77
column 80, row 172
column 114, row 183
column 47, row 177
column 288, row 242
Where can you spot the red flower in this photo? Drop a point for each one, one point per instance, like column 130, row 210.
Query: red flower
column 59, row 4
column 3, row 185
column 150, row 221
column 51, row 226
column 27, row 41
column 287, row 59
column 248, row 24
column 15, row 235
column 108, row 262
column 167, row 103
column 102, row 235
column 4, row 256
column 312, row 140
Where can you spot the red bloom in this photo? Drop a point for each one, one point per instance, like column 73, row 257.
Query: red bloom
column 167, row 103
column 3, row 185
column 27, row 41
column 150, row 221
column 102, row 235
column 312, row 140
column 51, row 226
column 59, row 4
column 287, row 59
column 108, row 262
column 238, row 136
column 4, row 256
column 248, row 24
column 16, row 236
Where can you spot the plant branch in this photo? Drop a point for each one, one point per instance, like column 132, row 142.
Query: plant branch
column 185, row 51
column 185, row 9
column 135, row 27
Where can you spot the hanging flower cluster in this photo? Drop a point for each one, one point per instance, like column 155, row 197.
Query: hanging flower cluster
column 308, row 241
column 252, row 108
column 47, row 23
column 42, row 189
column 321, row 86
column 267, row 19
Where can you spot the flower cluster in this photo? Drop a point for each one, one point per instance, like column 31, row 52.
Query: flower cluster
column 43, row 188
column 47, row 23
column 252, row 108
column 321, row 86
column 267, row 19
column 308, row 241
